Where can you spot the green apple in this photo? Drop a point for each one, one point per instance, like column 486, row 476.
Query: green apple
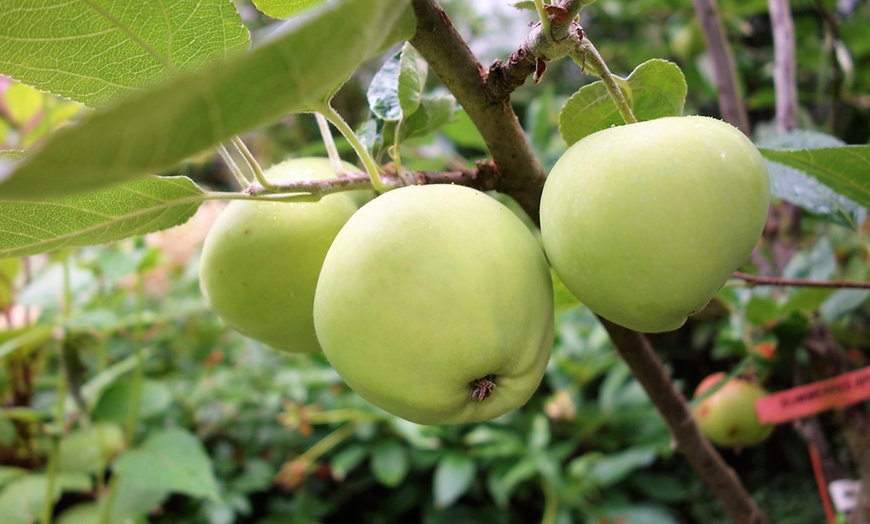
column 435, row 303
column 260, row 260
column 645, row 222
column 728, row 415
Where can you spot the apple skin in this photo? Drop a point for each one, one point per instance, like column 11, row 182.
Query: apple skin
column 727, row 417
column 645, row 222
column 260, row 260
column 428, row 289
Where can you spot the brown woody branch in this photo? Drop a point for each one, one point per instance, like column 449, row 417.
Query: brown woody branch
column 521, row 177
column 756, row 280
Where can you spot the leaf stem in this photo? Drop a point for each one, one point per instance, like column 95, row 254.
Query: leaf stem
column 371, row 166
column 329, row 142
column 545, row 19
column 252, row 162
column 588, row 57
column 228, row 159
column 755, row 280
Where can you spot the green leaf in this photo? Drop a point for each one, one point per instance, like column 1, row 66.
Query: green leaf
column 389, row 463
column 114, row 402
column 95, row 51
column 346, row 460
column 88, row 450
column 283, row 9
column 655, row 89
column 462, row 132
column 615, row 467
column 173, row 460
column 433, row 112
column 383, row 91
column 843, row 169
column 454, row 474
column 413, row 71
column 156, row 128
column 133, row 208
column 24, row 498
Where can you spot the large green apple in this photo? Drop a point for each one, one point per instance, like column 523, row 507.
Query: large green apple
column 645, row 222
column 728, row 416
column 260, row 260
column 435, row 303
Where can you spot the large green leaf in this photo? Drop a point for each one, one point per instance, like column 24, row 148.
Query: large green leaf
column 156, row 128
column 655, row 89
column 172, row 460
column 844, row 169
column 94, row 51
column 133, row 208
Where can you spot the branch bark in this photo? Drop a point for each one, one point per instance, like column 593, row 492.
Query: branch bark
column 784, row 67
column 646, row 367
column 520, row 175
column 522, row 178
column 724, row 73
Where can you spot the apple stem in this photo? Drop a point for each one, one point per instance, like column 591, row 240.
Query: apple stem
column 589, row 59
column 329, row 142
column 371, row 166
column 237, row 172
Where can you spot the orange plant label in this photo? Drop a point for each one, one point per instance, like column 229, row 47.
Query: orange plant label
column 810, row 399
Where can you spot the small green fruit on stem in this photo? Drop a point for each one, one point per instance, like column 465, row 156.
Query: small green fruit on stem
column 435, row 303
column 645, row 222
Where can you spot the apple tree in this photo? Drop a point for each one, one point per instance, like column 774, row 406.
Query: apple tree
column 443, row 290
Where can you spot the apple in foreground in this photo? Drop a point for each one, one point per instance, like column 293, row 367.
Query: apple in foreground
column 435, row 303
column 727, row 417
column 645, row 222
column 260, row 260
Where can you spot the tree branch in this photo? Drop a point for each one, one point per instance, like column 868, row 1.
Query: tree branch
column 784, row 67
column 637, row 352
column 522, row 178
column 520, row 175
column 730, row 102
column 756, row 280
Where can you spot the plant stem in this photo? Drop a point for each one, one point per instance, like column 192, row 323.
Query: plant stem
column 331, row 150
column 252, row 162
column 228, row 159
column 371, row 166
column 551, row 502
column 545, row 19
column 755, row 280
column 136, row 386
column 589, row 57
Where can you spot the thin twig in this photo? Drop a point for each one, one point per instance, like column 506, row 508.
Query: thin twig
column 756, row 280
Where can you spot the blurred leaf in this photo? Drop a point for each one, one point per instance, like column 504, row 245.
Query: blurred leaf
column 283, row 9
column 819, row 263
column 434, row 111
column 805, row 300
column 133, row 208
column 171, row 459
column 843, row 169
column 9, row 269
column 761, row 309
column 161, row 126
column 462, row 132
column 655, row 89
column 842, row 302
column 660, row 486
column 383, row 91
column 539, row 435
column 454, row 474
column 99, row 382
column 413, row 71
column 112, row 48
column 113, row 404
column 795, row 186
column 389, row 463
column 641, row 514
column 615, row 467
column 9, row 473
column 347, row 460
column 24, row 339
column 503, row 481
column 88, row 450
column 23, row 499
column 24, row 102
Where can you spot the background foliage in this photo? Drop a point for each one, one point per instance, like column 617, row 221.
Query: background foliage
column 114, row 375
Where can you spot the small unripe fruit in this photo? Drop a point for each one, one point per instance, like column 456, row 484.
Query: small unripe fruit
column 728, row 417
